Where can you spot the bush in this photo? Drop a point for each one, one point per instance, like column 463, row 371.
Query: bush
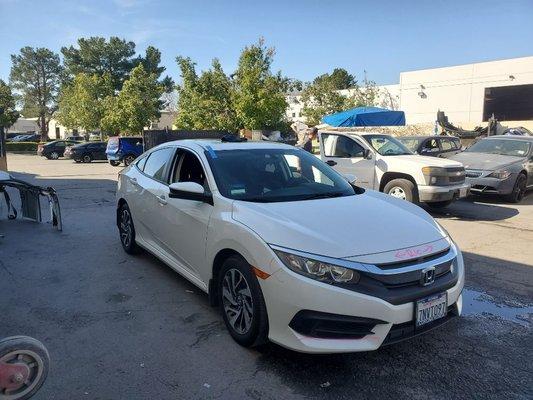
column 22, row 146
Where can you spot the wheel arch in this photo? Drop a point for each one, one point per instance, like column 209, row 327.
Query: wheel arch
column 389, row 176
column 221, row 256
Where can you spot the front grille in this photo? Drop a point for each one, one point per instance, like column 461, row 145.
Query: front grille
column 471, row 173
column 456, row 175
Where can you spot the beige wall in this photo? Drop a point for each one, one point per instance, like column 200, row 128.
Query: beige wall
column 459, row 91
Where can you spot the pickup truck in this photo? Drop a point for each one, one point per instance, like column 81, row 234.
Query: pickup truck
column 381, row 162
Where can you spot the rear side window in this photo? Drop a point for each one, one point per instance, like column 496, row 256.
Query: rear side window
column 341, row 146
column 157, row 163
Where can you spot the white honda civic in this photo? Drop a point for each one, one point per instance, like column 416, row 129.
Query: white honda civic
column 290, row 250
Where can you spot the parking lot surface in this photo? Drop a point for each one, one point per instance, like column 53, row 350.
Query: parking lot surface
column 124, row 327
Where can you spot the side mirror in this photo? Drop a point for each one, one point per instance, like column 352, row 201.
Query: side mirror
column 350, row 178
column 189, row 191
column 367, row 154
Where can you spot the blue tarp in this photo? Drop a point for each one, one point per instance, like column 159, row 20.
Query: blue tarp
column 366, row 116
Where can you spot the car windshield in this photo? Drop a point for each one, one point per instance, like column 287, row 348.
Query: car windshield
column 504, row 147
column 387, row 145
column 411, row 143
column 275, row 175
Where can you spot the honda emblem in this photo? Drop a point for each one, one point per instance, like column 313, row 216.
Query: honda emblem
column 428, row 276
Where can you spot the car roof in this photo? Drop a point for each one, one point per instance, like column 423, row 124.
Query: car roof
column 421, row 137
column 217, row 144
column 511, row 137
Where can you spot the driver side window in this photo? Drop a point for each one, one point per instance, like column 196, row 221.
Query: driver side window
column 188, row 168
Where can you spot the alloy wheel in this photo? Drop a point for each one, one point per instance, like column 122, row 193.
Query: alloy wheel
column 128, row 160
column 398, row 192
column 126, row 228
column 54, row 155
column 237, row 301
column 86, row 158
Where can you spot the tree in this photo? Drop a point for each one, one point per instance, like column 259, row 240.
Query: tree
column 364, row 96
column 8, row 114
column 321, row 98
column 339, row 79
column 151, row 63
column 259, row 96
column 205, row 102
column 36, row 74
column 82, row 102
column 95, row 55
column 137, row 104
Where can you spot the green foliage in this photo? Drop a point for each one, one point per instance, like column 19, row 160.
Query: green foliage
column 96, row 56
column 8, row 114
column 259, row 96
column 339, row 79
column 151, row 63
column 21, row 146
column 36, row 74
column 136, row 105
column 205, row 102
column 82, row 101
column 321, row 98
column 364, row 96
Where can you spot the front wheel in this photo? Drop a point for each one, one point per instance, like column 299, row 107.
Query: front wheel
column 114, row 163
column 242, row 303
column 402, row 189
column 87, row 158
column 54, row 155
column 129, row 159
column 25, row 362
column 519, row 190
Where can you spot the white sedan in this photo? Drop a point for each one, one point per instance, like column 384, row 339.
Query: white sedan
column 289, row 249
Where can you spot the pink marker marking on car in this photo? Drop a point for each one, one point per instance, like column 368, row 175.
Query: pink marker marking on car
column 414, row 252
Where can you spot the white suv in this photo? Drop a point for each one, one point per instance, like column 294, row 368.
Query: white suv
column 288, row 248
column 381, row 162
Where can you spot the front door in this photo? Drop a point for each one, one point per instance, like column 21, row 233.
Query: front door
column 346, row 155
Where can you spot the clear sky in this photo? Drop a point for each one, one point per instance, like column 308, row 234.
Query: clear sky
column 311, row 37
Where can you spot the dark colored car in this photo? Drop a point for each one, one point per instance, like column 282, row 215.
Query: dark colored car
column 87, row 152
column 55, row 149
column 433, row 146
column 124, row 149
column 500, row 165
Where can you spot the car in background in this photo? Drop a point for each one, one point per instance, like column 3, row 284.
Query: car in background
column 32, row 137
column 518, row 131
column 433, row 146
column 501, row 165
column 76, row 138
column 55, row 149
column 86, row 152
column 124, row 149
column 381, row 162
column 288, row 248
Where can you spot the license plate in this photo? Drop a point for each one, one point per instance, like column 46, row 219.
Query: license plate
column 431, row 308
column 463, row 192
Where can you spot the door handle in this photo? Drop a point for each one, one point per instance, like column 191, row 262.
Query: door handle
column 162, row 200
column 331, row 163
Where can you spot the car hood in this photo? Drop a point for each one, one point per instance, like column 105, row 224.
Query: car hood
column 425, row 160
column 340, row 227
column 485, row 161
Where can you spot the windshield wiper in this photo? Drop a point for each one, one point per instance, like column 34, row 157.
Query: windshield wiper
column 323, row 195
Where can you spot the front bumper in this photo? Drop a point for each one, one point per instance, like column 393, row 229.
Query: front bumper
column 287, row 294
column 429, row 194
column 488, row 185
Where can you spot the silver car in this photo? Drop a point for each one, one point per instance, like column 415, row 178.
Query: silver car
column 500, row 165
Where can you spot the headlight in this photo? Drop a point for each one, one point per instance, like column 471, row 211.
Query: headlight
column 318, row 270
column 435, row 175
column 500, row 174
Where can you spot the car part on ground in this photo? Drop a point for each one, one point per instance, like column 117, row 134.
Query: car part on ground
column 30, row 196
column 24, row 365
column 245, row 222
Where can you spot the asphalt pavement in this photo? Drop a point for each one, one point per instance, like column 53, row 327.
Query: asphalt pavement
column 128, row 327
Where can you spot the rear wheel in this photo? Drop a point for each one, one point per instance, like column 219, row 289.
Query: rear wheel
column 519, row 189
column 86, row 158
column 127, row 230
column 402, row 189
column 54, row 155
column 114, row 163
column 242, row 303
column 129, row 159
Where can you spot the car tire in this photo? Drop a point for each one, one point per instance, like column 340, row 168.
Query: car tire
column 439, row 204
column 240, row 296
column 129, row 159
column 32, row 353
column 403, row 189
column 519, row 189
column 127, row 230
column 54, row 155
column 86, row 158
column 114, row 163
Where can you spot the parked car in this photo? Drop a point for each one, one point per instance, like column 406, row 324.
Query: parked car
column 289, row 249
column 432, row 146
column 76, row 138
column 87, row 152
column 124, row 149
column 55, row 149
column 500, row 165
column 381, row 162
column 12, row 135
column 518, row 131
column 27, row 138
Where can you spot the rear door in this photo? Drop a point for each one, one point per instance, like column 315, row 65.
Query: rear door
column 346, row 155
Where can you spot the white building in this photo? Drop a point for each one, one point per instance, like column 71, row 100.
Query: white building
column 468, row 94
